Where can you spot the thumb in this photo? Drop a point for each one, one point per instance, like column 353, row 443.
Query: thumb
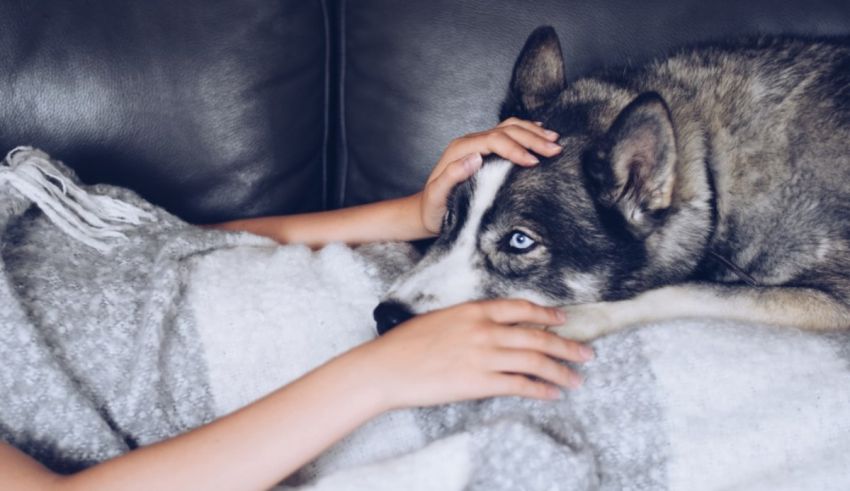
column 437, row 191
column 455, row 173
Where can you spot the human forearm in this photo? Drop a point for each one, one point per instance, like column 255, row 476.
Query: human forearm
column 253, row 448
column 469, row 351
column 397, row 219
column 417, row 216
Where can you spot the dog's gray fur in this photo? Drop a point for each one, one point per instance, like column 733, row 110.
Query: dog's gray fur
column 715, row 182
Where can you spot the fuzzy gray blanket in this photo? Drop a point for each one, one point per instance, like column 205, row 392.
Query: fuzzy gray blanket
column 123, row 325
column 97, row 357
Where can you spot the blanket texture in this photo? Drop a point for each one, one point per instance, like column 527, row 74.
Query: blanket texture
column 123, row 326
column 97, row 356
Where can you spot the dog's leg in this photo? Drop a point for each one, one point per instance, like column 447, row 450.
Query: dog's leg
column 782, row 306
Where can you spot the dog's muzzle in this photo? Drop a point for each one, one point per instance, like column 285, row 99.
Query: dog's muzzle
column 390, row 314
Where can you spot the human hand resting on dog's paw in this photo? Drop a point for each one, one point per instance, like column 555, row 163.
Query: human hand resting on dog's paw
column 471, row 351
column 511, row 139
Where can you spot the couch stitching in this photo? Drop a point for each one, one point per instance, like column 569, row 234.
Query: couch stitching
column 342, row 152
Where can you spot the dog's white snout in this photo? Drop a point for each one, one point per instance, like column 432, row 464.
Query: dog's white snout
column 454, row 274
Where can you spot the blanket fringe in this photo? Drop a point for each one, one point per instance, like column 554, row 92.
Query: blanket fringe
column 91, row 219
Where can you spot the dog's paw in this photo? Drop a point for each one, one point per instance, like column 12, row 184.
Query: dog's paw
column 586, row 322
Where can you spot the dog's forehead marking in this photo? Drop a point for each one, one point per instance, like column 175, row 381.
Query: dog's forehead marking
column 488, row 181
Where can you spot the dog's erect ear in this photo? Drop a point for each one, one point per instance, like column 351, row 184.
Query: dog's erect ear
column 634, row 169
column 538, row 74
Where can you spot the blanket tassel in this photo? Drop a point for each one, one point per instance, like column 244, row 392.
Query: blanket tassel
column 89, row 218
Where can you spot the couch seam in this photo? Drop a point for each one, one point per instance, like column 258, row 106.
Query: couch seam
column 342, row 153
column 326, row 103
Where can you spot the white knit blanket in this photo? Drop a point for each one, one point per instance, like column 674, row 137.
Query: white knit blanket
column 686, row 405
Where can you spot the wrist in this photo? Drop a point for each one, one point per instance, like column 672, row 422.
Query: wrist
column 362, row 376
column 374, row 378
column 416, row 204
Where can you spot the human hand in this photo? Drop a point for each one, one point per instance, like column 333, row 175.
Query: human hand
column 511, row 139
column 472, row 351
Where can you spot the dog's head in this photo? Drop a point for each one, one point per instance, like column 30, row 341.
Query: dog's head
column 577, row 227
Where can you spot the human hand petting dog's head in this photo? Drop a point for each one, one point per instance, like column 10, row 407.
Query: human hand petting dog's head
column 513, row 139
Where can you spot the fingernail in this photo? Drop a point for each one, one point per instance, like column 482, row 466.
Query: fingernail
column 539, row 123
column 555, row 394
column 551, row 134
column 553, row 146
column 575, row 381
column 560, row 315
column 473, row 162
column 532, row 159
column 586, row 352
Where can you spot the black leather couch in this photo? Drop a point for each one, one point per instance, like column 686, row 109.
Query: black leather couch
column 218, row 109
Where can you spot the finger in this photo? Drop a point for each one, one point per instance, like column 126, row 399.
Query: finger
column 543, row 342
column 454, row 173
column 522, row 386
column 535, row 127
column 532, row 363
column 494, row 142
column 515, row 311
column 532, row 140
column 503, row 145
column 510, row 142
column 498, row 142
column 459, row 149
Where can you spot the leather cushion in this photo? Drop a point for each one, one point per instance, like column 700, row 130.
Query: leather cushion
column 212, row 108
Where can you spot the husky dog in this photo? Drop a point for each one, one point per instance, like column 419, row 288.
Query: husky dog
column 713, row 183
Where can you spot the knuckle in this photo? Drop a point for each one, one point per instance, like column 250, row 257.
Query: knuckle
column 456, row 170
column 534, row 389
column 539, row 338
column 473, row 362
column 538, row 140
column 569, row 346
column 525, row 307
column 520, row 384
column 541, row 390
column 494, row 137
column 457, row 142
column 488, row 308
column 507, row 139
column 563, row 344
column 478, row 309
column 536, row 362
column 480, row 333
column 487, row 337
column 565, row 375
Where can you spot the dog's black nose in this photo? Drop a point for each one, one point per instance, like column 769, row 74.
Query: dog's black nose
column 390, row 314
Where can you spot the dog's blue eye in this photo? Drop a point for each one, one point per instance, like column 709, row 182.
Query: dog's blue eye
column 520, row 241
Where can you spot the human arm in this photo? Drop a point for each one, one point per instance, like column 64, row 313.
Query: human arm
column 416, row 216
column 465, row 352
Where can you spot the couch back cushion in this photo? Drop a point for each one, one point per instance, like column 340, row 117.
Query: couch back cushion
column 218, row 109
column 212, row 108
column 416, row 74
